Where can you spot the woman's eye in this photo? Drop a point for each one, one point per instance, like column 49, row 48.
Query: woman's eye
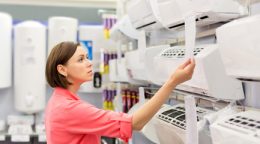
column 81, row 59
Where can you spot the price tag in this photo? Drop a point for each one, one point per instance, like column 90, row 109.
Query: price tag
column 20, row 138
column 42, row 138
column 2, row 137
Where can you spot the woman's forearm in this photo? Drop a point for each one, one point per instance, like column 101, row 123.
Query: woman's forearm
column 144, row 114
column 149, row 109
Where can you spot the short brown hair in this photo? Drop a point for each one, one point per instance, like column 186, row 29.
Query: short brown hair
column 60, row 54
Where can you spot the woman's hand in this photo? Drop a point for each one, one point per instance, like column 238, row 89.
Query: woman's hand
column 183, row 72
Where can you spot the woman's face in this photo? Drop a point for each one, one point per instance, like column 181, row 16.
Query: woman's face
column 79, row 68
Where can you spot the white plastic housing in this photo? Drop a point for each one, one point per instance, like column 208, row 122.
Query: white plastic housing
column 61, row 29
column 209, row 77
column 141, row 15
column 135, row 65
column 172, row 13
column 29, row 66
column 123, row 28
column 6, row 50
column 149, row 55
column 171, row 127
column 240, row 128
column 240, row 47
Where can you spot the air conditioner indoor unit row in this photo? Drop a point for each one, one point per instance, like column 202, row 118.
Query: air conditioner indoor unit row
column 171, row 14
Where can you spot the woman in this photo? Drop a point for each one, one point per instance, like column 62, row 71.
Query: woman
column 70, row 120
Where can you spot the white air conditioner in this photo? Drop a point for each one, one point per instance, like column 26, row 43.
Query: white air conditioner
column 135, row 65
column 209, row 76
column 124, row 27
column 141, row 15
column 240, row 128
column 170, row 124
column 240, row 47
column 172, row 13
column 149, row 55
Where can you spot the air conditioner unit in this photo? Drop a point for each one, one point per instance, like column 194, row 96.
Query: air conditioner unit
column 170, row 124
column 209, row 77
column 141, row 15
column 149, row 55
column 135, row 65
column 240, row 47
column 240, row 128
column 172, row 13
column 124, row 27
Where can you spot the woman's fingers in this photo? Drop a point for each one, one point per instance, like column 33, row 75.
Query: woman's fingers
column 191, row 66
column 183, row 65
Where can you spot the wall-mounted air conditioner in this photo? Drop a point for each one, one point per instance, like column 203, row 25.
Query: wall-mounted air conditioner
column 124, row 27
column 209, row 76
column 172, row 13
column 240, row 47
column 141, row 15
column 149, row 55
column 171, row 123
column 240, row 128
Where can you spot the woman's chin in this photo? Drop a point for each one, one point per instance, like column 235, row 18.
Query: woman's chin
column 89, row 79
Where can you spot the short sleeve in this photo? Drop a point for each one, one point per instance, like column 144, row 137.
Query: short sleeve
column 83, row 118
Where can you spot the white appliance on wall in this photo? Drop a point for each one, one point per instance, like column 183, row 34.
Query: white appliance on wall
column 29, row 66
column 141, row 15
column 209, row 77
column 6, row 50
column 149, row 55
column 172, row 13
column 124, row 28
column 118, row 71
column 240, row 128
column 135, row 64
column 170, row 122
column 61, row 29
column 240, row 47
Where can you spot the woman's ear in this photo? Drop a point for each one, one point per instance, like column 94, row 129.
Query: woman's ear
column 62, row 70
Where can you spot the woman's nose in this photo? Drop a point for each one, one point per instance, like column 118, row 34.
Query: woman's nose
column 88, row 62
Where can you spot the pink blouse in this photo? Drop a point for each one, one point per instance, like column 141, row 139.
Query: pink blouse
column 69, row 120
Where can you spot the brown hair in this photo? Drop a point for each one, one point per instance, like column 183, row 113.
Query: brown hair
column 60, row 54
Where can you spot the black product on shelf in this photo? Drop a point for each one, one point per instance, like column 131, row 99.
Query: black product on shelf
column 97, row 80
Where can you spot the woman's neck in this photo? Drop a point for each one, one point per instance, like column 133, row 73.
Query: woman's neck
column 73, row 88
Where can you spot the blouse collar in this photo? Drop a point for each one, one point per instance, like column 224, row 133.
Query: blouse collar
column 65, row 92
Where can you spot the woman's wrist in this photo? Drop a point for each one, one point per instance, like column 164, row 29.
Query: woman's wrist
column 172, row 83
